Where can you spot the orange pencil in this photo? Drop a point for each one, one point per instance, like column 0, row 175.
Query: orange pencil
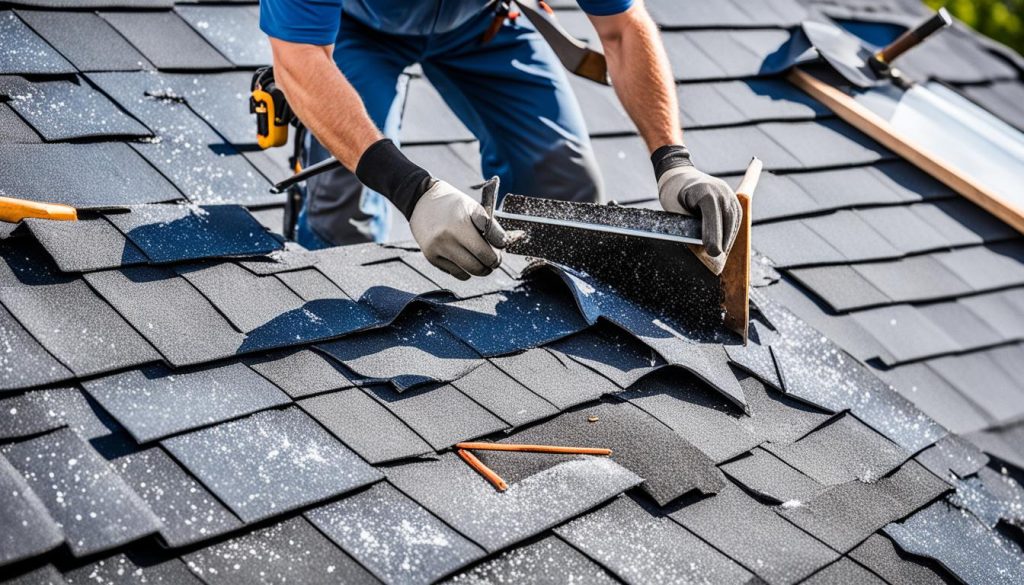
column 535, row 448
column 483, row 470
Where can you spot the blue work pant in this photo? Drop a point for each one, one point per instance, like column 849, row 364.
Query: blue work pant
column 512, row 93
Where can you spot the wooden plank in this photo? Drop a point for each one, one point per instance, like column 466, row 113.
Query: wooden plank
column 917, row 154
column 736, row 275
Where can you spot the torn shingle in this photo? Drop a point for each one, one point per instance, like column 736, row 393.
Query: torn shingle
column 510, row 321
column 229, row 30
column 554, row 377
column 25, row 52
column 465, row 501
column 85, row 245
column 89, row 339
column 669, row 464
column 952, row 454
column 394, row 537
column 841, row 451
column 81, row 175
column 700, row 415
column 187, row 512
column 166, row 310
column 65, row 110
column 33, row 365
column 754, row 536
column 640, row 545
column 776, row 417
column 301, row 372
column 152, row 403
column 440, row 414
column 270, row 463
column 843, row 516
column 172, row 233
column 85, row 39
column 166, row 40
column 28, row 528
column 291, row 550
column 413, row 351
column 504, row 396
column 361, row 422
column 549, row 560
column 247, row 300
column 387, row 287
column 71, row 478
column 768, row 476
column 960, row 543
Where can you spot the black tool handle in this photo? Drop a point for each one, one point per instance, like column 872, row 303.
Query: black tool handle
column 310, row 171
column 915, row 36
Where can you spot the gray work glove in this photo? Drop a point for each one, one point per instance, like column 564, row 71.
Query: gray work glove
column 684, row 189
column 449, row 226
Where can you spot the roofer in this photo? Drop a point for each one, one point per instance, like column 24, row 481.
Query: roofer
column 508, row 89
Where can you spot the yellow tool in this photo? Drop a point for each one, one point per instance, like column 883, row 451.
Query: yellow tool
column 14, row 210
column 273, row 115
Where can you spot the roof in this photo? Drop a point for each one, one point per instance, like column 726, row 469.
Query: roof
column 187, row 398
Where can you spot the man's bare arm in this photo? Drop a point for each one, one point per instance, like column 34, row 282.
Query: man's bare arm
column 324, row 100
column 641, row 74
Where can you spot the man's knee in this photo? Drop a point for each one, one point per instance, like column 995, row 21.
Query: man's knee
column 568, row 172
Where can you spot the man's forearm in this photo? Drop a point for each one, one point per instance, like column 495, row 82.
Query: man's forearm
column 641, row 75
column 324, row 100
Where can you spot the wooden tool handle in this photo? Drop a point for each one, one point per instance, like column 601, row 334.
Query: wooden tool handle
column 915, row 36
column 483, row 470
column 14, row 210
column 535, row 449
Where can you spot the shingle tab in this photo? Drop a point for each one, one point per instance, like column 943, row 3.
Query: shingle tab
column 172, row 233
column 156, row 402
column 247, row 300
column 465, row 501
column 612, row 353
column 71, row 478
column 694, row 411
column 394, row 537
column 841, row 451
column 554, row 377
column 25, row 52
column 33, row 366
column 166, row 310
column 301, row 372
column 121, row 566
column 82, row 175
column 166, row 40
column 187, row 512
column 440, row 414
column 270, row 463
column 229, row 30
column 365, row 426
column 640, row 545
column 66, row 110
column 504, row 396
column 843, row 516
column 905, row 334
column 85, row 39
column 77, row 327
column 85, row 245
column 879, row 555
column 291, row 550
column 28, row 528
column 754, row 536
column 768, row 476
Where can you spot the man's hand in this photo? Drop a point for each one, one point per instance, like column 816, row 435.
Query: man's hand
column 684, row 189
column 447, row 224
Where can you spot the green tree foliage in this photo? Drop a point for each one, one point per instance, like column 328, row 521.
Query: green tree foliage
column 1003, row 20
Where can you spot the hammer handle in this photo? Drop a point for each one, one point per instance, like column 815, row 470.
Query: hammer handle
column 14, row 210
column 914, row 36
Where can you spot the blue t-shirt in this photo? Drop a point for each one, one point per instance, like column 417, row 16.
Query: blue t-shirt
column 316, row 22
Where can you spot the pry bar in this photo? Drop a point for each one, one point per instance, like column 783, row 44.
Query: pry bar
column 310, row 171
